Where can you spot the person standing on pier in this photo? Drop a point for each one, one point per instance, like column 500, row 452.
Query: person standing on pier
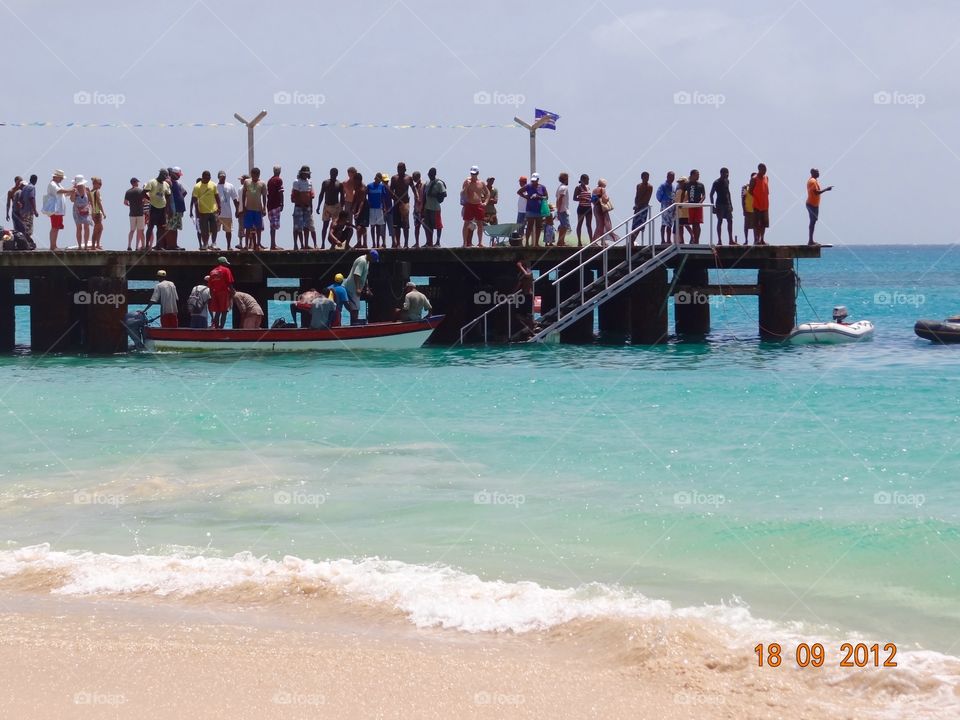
column 641, row 205
column 28, row 206
column 133, row 199
column 760, row 189
column 158, row 192
column 665, row 198
column 813, row 200
column 254, row 206
column 330, row 204
column 301, row 195
column 493, row 197
column 55, row 206
column 97, row 211
column 376, row 193
column 682, row 214
column 205, row 202
column 434, row 194
column 362, row 210
column 229, row 204
column 746, row 202
column 221, row 287
column 417, row 187
column 400, row 190
column 165, row 294
column 563, row 208
column 696, row 193
column 178, row 208
column 722, row 203
column 274, row 205
column 583, row 195
column 602, row 207
column 82, row 211
column 535, row 195
column 475, row 196
column 17, row 184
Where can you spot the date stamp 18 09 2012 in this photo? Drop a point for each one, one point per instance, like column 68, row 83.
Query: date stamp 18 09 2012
column 851, row 655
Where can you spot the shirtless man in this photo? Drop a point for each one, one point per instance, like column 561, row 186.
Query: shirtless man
column 418, row 198
column 331, row 194
column 399, row 189
column 349, row 189
column 475, row 194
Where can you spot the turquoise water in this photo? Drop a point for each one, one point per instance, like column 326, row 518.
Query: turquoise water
column 818, row 484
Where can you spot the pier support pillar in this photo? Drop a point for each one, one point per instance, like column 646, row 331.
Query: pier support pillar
column 778, row 301
column 54, row 316
column 103, row 330
column 692, row 311
column 580, row 332
column 614, row 317
column 648, row 309
column 386, row 282
column 8, row 315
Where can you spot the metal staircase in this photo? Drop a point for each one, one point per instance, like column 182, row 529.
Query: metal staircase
column 588, row 293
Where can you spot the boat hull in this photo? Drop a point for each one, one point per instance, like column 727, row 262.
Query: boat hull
column 831, row 333
column 376, row 336
column 939, row 332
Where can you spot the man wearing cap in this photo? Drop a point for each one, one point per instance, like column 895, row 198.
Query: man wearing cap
column 158, row 192
column 356, row 282
column 221, row 286
column 534, row 193
column 55, row 206
column 205, row 202
column 165, row 293
column 475, row 195
column 178, row 207
column 229, row 204
column 339, row 295
column 274, row 205
column 434, row 194
column 301, row 195
column 415, row 303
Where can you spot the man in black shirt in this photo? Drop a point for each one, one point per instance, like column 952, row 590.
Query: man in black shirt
column 696, row 193
column 723, row 205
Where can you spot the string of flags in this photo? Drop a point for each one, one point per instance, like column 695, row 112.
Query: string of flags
column 344, row 125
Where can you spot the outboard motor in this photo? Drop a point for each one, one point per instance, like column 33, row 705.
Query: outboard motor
column 135, row 322
column 839, row 313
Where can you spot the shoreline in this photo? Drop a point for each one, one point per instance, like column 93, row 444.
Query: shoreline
column 79, row 657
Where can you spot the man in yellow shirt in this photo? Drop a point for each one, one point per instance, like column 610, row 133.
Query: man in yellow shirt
column 206, row 203
column 813, row 200
column 158, row 192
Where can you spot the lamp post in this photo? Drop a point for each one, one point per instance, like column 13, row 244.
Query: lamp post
column 538, row 123
column 250, row 126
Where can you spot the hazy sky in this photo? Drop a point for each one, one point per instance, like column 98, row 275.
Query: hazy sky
column 861, row 90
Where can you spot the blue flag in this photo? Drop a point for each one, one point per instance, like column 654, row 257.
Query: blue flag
column 550, row 124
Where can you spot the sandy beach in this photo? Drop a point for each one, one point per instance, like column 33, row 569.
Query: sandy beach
column 76, row 658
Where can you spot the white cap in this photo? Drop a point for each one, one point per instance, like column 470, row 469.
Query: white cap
column 79, row 180
column 474, row 170
column 535, row 176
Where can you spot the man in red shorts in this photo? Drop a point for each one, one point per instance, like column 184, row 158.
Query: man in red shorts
column 696, row 193
column 475, row 194
column 221, row 292
column 165, row 295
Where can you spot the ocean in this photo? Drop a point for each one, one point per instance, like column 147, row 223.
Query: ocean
column 780, row 491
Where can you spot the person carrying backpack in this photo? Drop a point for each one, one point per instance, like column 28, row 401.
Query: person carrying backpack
column 434, row 194
column 198, row 303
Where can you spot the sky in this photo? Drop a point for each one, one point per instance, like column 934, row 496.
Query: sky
column 862, row 90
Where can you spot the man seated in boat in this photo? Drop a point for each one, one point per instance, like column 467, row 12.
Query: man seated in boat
column 303, row 305
column 322, row 313
column 415, row 303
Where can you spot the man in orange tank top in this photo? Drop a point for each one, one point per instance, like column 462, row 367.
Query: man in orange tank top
column 760, row 190
column 813, row 200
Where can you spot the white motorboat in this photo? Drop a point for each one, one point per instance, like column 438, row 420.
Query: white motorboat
column 831, row 333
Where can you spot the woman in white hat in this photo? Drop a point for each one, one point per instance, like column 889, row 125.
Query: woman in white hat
column 82, row 211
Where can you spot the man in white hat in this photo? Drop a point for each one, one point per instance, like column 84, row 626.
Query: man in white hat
column 165, row 294
column 534, row 193
column 54, row 205
column 474, row 194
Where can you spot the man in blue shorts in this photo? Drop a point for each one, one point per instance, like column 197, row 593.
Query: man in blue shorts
column 254, row 205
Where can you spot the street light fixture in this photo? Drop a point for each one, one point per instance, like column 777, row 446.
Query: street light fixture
column 250, row 126
column 539, row 123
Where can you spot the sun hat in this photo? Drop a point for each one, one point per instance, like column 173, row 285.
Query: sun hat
column 59, row 173
column 79, row 180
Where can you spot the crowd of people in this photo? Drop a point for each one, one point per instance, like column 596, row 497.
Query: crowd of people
column 387, row 208
column 210, row 301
